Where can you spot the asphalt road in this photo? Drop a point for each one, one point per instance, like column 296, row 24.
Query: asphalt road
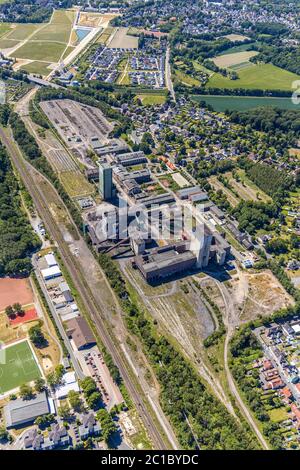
column 58, row 322
column 27, row 173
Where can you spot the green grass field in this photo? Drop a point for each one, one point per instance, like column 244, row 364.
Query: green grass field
column 19, row 367
column 41, row 51
column 243, row 103
column 278, row 414
column 186, row 79
column 20, row 31
column 63, row 16
column 59, row 32
column 76, row 184
column 8, row 44
column 152, row 99
column 49, row 42
column 39, row 68
column 261, row 76
column 4, row 28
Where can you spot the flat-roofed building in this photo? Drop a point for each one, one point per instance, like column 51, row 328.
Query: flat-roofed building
column 51, row 273
column 21, row 412
column 166, row 261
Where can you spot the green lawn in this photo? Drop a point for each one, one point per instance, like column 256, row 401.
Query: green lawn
column 278, row 414
column 63, row 16
column 17, row 366
column 36, row 67
column 261, row 76
column 49, row 42
column 186, row 79
column 150, row 99
column 241, row 48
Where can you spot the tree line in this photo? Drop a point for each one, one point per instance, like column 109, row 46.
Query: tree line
column 17, row 239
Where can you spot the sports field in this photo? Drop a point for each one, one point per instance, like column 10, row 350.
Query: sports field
column 15, row 291
column 260, row 76
column 17, row 366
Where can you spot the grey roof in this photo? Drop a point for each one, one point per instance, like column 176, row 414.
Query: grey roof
column 20, row 411
column 89, row 425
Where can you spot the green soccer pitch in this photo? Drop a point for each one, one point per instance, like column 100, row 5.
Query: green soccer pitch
column 17, row 366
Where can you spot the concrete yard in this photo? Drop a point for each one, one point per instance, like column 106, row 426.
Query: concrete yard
column 77, row 123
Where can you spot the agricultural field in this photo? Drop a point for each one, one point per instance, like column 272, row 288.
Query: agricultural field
column 260, row 76
column 243, row 103
column 229, row 60
column 19, row 367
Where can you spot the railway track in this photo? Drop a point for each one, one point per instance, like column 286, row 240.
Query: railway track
column 26, row 172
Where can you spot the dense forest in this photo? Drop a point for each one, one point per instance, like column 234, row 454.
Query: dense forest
column 17, row 239
column 285, row 57
column 31, row 11
column 253, row 216
column 269, row 119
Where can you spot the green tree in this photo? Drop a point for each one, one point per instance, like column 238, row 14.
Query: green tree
column 26, row 392
column 37, row 337
column 64, row 411
column 75, row 400
column 94, row 400
column 39, row 385
column 9, row 311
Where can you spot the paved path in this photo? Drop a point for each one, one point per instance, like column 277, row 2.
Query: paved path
column 169, row 82
column 58, row 322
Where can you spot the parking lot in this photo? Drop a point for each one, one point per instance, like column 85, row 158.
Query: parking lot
column 77, row 123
